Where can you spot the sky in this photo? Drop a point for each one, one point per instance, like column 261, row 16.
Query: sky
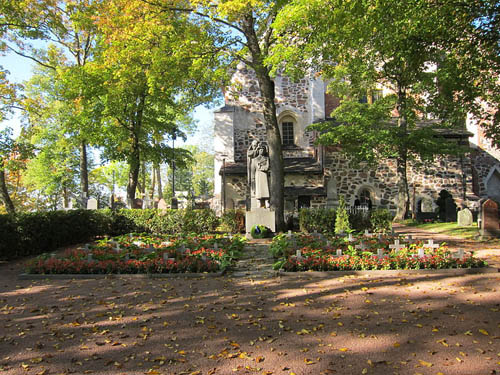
column 20, row 70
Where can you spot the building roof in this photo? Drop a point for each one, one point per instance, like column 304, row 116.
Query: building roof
column 292, row 165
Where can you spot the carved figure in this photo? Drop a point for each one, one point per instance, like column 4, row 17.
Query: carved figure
column 261, row 181
column 257, row 169
column 251, row 166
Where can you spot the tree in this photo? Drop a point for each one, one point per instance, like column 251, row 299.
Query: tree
column 69, row 25
column 244, row 30
column 360, row 46
column 152, row 72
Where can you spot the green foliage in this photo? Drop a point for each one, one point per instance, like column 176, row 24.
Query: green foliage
column 233, row 221
column 35, row 233
column 342, row 218
column 39, row 232
column 381, row 220
column 279, row 245
column 359, row 221
column 317, row 220
column 260, row 231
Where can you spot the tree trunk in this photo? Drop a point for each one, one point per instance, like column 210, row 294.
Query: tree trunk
column 133, row 173
column 266, row 87
column 158, row 179
column 403, row 203
column 153, row 183
column 5, row 194
column 135, row 156
column 84, row 175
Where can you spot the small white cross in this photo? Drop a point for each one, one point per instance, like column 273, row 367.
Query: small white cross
column 339, row 252
column 421, row 252
column 380, row 253
column 367, row 233
column 298, row 254
column 458, row 254
column 431, row 245
column 361, row 246
column 396, row 246
column 350, row 238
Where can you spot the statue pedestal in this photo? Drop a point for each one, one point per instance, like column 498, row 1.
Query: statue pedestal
column 260, row 216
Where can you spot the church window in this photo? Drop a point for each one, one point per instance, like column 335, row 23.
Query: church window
column 288, row 137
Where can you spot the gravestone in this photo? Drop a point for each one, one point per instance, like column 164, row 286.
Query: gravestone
column 138, row 203
column 464, row 218
column 92, row 204
column 450, row 210
column 162, row 205
column 489, row 219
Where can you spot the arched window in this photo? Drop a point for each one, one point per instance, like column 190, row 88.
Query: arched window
column 364, row 199
column 287, row 131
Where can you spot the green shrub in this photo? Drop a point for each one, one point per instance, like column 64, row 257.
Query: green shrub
column 233, row 221
column 38, row 232
column 260, row 231
column 342, row 218
column 381, row 220
column 360, row 220
column 317, row 220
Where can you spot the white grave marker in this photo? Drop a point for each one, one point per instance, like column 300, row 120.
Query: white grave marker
column 361, row 246
column 350, row 238
column 339, row 252
column 367, row 233
column 431, row 245
column 89, row 258
column 421, row 252
column 459, row 254
column 380, row 253
column 396, row 246
column 92, row 204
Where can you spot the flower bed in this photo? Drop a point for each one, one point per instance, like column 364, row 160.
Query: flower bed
column 362, row 253
column 133, row 254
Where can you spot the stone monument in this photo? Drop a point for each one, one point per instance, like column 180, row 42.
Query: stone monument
column 92, row 204
column 489, row 219
column 162, row 205
column 258, row 212
column 464, row 218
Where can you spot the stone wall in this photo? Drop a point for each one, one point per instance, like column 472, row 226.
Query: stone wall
column 424, row 181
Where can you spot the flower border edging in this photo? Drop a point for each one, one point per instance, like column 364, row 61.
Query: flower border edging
column 27, row 276
column 444, row 271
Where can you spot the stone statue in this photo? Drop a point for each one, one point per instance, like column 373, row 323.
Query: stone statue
column 258, row 167
column 251, row 166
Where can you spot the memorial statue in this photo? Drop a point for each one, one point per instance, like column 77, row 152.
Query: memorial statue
column 258, row 167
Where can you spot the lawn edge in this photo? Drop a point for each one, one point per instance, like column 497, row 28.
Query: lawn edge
column 448, row 272
column 27, row 276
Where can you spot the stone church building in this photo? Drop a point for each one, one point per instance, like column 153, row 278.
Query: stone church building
column 315, row 176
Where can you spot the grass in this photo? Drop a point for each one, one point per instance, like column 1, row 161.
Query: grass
column 450, row 229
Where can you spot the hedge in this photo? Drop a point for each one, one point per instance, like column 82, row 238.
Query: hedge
column 323, row 220
column 36, row 233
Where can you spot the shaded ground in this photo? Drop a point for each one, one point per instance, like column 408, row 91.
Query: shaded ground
column 251, row 324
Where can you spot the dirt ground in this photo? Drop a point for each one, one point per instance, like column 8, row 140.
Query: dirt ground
column 396, row 324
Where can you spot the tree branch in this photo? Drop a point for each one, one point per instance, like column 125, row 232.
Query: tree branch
column 31, row 58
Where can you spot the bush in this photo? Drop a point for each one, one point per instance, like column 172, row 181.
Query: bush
column 35, row 233
column 233, row 221
column 38, row 232
column 359, row 221
column 342, row 219
column 317, row 220
column 381, row 220
column 260, row 231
